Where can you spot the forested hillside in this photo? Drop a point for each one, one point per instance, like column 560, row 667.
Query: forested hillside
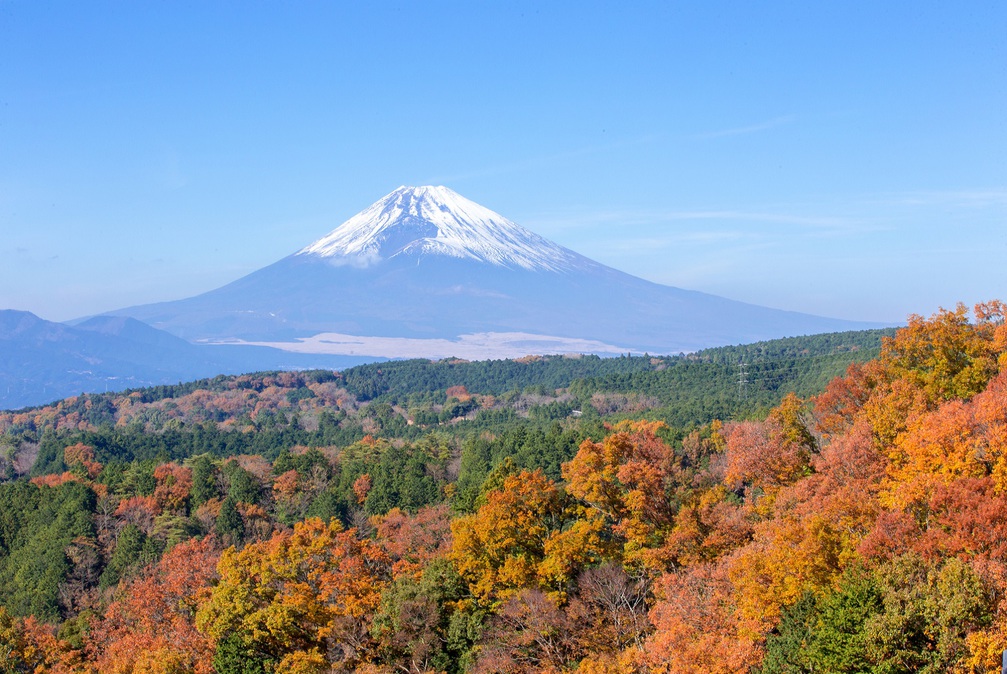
column 265, row 412
column 719, row 512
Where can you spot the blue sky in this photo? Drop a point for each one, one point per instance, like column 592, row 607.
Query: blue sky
column 846, row 159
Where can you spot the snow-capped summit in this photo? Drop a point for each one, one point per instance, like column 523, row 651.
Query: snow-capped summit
column 434, row 220
column 442, row 273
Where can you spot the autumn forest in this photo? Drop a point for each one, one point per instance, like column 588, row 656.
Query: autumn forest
column 835, row 503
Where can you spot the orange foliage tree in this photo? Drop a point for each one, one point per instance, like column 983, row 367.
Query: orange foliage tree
column 696, row 627
column 771, row 454
column 82, row 456
column 174, row 483
column 412, row 541
column 150, row 627
column 300, row 597
column 946, row 356
column 621, row 482
column 518, row 540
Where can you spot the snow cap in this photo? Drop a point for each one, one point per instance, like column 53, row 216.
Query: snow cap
column 435, row 220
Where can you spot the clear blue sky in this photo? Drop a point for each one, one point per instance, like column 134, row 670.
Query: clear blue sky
column 839, row 158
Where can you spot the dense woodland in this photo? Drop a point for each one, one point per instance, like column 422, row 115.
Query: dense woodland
column 735, row 510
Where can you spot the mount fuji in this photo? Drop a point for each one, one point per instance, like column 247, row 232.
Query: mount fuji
column 424, row 272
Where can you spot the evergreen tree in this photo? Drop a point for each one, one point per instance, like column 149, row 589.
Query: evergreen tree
column 230, row 526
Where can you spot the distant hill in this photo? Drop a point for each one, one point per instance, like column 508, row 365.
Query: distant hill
column 41, row 361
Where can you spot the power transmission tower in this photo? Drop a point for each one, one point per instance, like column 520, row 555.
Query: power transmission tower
column 742, row 379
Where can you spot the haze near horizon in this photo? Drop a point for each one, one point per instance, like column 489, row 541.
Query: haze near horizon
column 841, row 161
